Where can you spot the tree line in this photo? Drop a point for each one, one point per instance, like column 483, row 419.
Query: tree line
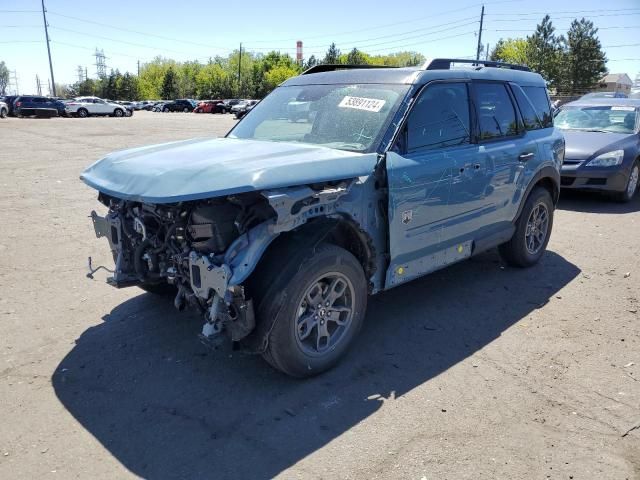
column 572, row 64
column 240, row 74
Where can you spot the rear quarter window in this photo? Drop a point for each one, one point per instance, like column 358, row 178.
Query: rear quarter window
column 540, row 101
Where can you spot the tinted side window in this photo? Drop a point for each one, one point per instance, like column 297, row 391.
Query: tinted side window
column 496, row 113
column 529, row 115
column 440, row 117
column 540, row 101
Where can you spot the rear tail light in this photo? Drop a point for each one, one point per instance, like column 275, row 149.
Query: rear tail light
column 18, row 104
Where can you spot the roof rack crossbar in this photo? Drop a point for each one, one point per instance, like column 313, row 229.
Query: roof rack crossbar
column 327, row 67
column 445, row 64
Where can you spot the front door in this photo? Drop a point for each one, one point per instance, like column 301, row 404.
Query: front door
column 435, row 139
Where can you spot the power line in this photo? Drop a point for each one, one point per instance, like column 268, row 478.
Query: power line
column 449, row 26
column 357, row 45
column 564, row 18
column 581, row 12
column 563, row 28
column 137, row 31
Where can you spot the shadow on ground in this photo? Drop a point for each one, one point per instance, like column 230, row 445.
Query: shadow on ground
column 594, row 202
column 166, row 407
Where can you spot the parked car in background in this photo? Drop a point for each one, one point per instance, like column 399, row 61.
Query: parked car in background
column 603, row 95
column 602, row 145
column 279, row 232
column 231, row 102
column 86, row 106
column 157, row 107
column 211, row 106
column 26, row 105
column 129, row 107
column 4, row 109
column 241, row 109
column 180, row 105
column 9, row 99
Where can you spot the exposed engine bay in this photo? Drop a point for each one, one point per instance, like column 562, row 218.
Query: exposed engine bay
column 205, row 249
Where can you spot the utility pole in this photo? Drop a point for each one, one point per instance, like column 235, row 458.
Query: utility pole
column 240, row 71
column 138, row 67
column 46, row 33
column 86, row 76
column 38, row 84
column 486, row 53
column 480, row 34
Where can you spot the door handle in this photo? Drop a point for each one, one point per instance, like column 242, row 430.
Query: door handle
column 523, row 157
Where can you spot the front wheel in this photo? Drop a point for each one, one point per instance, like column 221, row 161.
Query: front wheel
column 318, row 303
column 3, row 113
column 185, row 110
column 83, row 113
column 533, row 230
column 632, row 184
column 118, row 113
column 165, row 109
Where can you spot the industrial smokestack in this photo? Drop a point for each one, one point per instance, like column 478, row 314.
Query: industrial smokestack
column 299, row 51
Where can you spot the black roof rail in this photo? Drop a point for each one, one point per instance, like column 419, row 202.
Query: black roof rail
column 330, row 67
column 445, row 64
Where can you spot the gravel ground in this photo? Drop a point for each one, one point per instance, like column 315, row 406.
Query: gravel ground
column 477, row 371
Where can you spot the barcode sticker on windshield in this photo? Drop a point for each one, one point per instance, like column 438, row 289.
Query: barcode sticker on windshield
column 360, row 103
column 623, row 109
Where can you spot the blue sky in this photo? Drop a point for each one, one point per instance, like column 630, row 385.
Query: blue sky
column 134, row 30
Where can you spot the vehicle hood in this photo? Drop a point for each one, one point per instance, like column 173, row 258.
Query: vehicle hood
column 203, row 168
column 583, row 145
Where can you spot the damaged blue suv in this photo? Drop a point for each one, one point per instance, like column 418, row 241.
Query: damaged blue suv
column 280, row 231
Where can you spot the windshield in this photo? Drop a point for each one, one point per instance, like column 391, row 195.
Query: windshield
column 345, row 117
column 613, row 119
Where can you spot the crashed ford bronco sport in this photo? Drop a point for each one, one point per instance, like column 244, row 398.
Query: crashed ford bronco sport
column 343, row 182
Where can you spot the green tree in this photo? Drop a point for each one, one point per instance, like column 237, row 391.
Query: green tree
column 279, row 74
column 584, row 62
column 333, row 55
column 356, row 57
column 4, row 78
column 312, row 61
column 169, row 90
column 545, row 52
column 129, row 87
column 512, row 50
column 109, row 89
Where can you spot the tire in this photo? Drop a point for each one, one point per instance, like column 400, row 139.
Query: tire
column 118, row 113
column 165, row 109
column 3, row 113
column 632, row 184
column 529, row 241
column 185, row 110
column 286, row 298
column 83, row 113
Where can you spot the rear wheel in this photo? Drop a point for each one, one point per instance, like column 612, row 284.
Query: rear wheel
column 83, row 113
column 632, row 184
column 3, row 113
column 165, row 109
column 318, row 302
column 118, row 112
column 533, row 230
column 185, row 110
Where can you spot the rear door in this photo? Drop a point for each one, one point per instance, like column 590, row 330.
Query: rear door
column 435, row 138
column 503, row 150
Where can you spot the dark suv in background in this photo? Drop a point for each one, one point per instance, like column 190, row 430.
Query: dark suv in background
column 180, row 105
column 29, row 105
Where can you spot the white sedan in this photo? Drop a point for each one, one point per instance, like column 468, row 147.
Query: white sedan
column 85, row 106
